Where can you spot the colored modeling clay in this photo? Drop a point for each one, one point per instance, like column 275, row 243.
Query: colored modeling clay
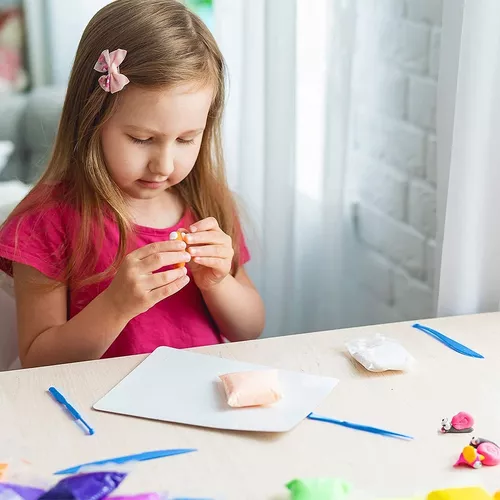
column 470, row 457
column 16, row 492
column 252, row 388
column 490, row 451
column 319, row 489
column 461, row 423
column 177, row 235
column 475, row 441
column 496, row 496
column 3, row 471
column 459, row 494
column 142, row 496
column 89, row 486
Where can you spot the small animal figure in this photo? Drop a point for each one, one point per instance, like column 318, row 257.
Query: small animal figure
column 475, row 441
column 470, row 457
column 461, row 423
column 488, row 449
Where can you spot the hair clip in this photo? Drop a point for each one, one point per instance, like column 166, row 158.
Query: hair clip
column 109, row 62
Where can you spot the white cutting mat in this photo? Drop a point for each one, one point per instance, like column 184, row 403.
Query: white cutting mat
column 184, row 387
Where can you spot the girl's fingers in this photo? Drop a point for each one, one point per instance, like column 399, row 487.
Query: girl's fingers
column 219, row 251
column 159, row 260
column 208, row 237
column 212, row 262
column 156, row 248
column 167, row 290
column 207, row 224
column 157, row 280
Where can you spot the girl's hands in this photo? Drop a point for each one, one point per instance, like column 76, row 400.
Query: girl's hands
column 136, row 288
column 212, row 253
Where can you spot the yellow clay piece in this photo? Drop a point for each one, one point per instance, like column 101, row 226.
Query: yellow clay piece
column 460, row 494
column 497, row 496
column 406, row 498
column 3, row 470
column 470, row 454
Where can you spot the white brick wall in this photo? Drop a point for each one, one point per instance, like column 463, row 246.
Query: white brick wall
column 430, row 255
column 434, row 52
column 395, row 142
column 381, row 185
column 422, row 208
column 422, row 102
column 376, row 270
column 412, row 298
column 431, row 159
column 404, row 43
column 392, row 161
column 397, row 241
column 386, row 91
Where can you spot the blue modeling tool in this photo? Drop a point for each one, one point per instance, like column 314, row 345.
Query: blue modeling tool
column 71, row 410
column 139, row 457
column 358, row 427
column 447, row 341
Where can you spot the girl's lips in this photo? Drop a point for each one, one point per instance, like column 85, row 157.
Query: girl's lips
column 152, row 184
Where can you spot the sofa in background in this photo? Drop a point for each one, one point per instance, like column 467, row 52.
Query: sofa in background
column 30, row 121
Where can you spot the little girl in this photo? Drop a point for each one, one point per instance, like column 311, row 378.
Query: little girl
column 137, row 157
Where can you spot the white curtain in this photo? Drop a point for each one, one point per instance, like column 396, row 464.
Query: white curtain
column 469, row 158
column 285, row 140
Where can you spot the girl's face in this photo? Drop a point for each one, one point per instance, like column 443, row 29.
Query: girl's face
column 153, row 139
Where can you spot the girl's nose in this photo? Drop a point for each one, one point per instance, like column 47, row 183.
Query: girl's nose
column 163, row 165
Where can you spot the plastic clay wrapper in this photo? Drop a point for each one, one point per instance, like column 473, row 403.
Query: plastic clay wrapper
column 86, row 486
column 380, row 354
column 140, row 496
column 9, row 491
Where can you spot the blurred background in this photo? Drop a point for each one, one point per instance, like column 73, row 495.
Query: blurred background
column 359, row 138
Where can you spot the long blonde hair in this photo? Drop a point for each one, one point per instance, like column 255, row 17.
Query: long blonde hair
column 166, row 45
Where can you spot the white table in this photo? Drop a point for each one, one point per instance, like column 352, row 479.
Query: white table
column 252, row 466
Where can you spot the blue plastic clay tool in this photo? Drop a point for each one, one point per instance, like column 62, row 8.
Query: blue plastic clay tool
column 359, row 427
column 139, row 457
column 447, row 341
column 71, row 410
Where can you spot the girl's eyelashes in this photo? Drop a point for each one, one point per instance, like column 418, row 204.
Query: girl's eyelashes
column 185, row 141
column 140, row 141
column 150, row 139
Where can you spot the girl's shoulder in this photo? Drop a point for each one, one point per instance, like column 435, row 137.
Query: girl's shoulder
column 44, row 211
column 38, row 231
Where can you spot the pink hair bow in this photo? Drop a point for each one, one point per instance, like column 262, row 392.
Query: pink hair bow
column 109, row 62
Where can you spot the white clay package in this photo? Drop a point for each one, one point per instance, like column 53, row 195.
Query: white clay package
column 380, row 354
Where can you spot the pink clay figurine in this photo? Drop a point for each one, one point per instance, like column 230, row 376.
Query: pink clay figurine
column 488, row 449
column 461, row 423
column 470, row 457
